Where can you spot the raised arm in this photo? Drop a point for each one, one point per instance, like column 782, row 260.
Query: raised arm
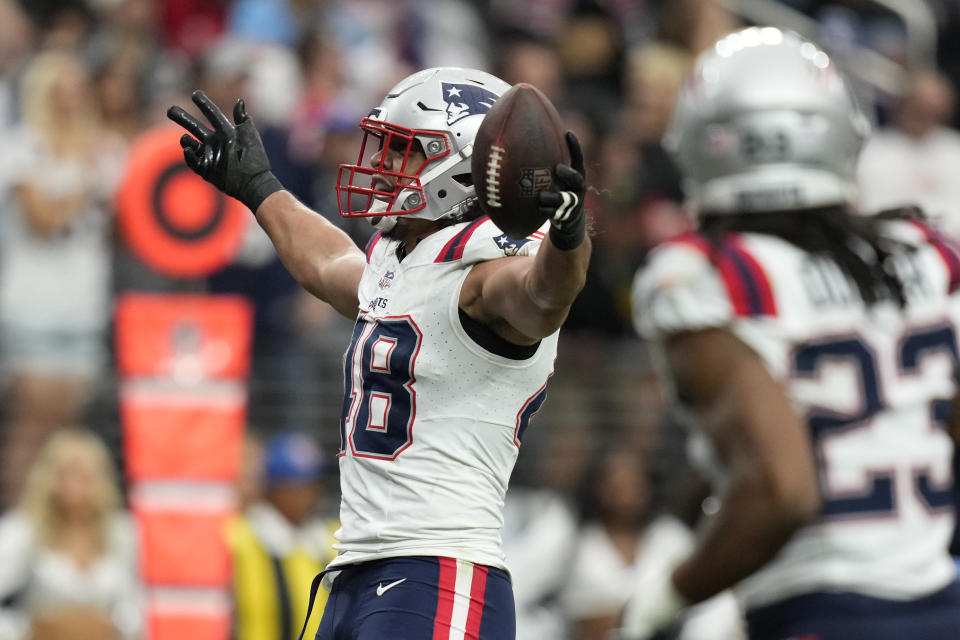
column 525, row 299
column 771, row 488
column 322, row 258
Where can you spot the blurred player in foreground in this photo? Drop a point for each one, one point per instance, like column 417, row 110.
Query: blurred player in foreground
column 456, row 333
column 816, row 349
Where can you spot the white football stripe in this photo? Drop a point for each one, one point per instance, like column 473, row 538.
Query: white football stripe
column 461, row 600
column 570, row 202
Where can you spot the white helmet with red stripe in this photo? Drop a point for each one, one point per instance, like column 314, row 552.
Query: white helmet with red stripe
column 437, row 111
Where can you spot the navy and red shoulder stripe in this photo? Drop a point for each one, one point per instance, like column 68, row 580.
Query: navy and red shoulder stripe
column 454, row 248
column 948, row 250
column 746, row 281
column 371, row 243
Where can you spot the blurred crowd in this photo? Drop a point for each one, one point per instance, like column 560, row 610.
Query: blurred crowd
column 608, row 469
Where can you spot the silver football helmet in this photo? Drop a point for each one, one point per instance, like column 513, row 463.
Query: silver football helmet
column 436, row 111
column 765, row 122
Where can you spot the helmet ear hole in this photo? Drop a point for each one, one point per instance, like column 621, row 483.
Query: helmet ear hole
column 442, row 193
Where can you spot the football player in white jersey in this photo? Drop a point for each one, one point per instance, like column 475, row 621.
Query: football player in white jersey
column 455, row 339
column 816, row 350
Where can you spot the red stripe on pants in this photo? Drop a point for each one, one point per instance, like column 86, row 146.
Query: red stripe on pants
column 478, row 589
column 447, row 585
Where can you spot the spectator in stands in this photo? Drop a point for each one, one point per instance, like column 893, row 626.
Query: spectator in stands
column 280, row 543
column 55, row 276
column 623, row 539
column 16, row 40
column 913, row 162
column 540, row 529
column 68, row 564
column 694, row 25
column 191, row 26
column 120, row 88
column 536, row 62
column 249, row 483
column 62, row 24
column 846, row 24
column 653, row 77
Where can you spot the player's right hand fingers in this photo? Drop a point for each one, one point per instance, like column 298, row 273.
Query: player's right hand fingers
column 549, row 200
column 569, row 177
column 240, row 111
column 576, row 153
column 189, row 142
column 569, row 201
column 211, row 111
column 558, row 205
column 189, row 123
column 195, row 161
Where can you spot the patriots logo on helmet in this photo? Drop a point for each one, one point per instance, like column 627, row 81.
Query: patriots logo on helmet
column 464, row 100
column 510, row 246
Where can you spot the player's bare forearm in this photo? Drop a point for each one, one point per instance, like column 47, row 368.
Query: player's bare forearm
column 752, row 525
column 321, row 257
column 231, row 156
column 525, row 299
column 772, row 484
column 549, row 285
column 553, row 283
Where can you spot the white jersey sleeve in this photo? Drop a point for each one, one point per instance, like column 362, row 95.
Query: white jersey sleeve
column 679, row 290
column 692, row 284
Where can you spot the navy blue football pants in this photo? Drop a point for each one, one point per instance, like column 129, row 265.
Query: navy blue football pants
column 419, row 598
column 848, row 616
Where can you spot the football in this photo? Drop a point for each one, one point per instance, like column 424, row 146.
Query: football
column 518, row 144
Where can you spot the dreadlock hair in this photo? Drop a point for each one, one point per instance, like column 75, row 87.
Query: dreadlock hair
column 853, row 241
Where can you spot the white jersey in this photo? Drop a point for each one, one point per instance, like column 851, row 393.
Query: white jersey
column 432, row 420
column 872, row 384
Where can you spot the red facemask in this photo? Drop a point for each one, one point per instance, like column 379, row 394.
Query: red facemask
column 364, row 191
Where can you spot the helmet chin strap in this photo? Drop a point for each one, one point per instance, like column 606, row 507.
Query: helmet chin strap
column 383, row 223
column 386, row 223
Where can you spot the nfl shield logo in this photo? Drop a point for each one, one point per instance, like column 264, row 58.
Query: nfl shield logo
column 533, row 180
column 386, row 279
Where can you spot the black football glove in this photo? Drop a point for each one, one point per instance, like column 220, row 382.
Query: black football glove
column 230, row 156
column 562, row 204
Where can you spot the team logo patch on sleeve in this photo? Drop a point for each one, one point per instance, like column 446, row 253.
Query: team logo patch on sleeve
column 464, row 100
column 510, row 246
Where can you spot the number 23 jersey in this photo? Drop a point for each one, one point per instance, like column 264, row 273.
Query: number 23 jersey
column 432, row 421
column 873, row 384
